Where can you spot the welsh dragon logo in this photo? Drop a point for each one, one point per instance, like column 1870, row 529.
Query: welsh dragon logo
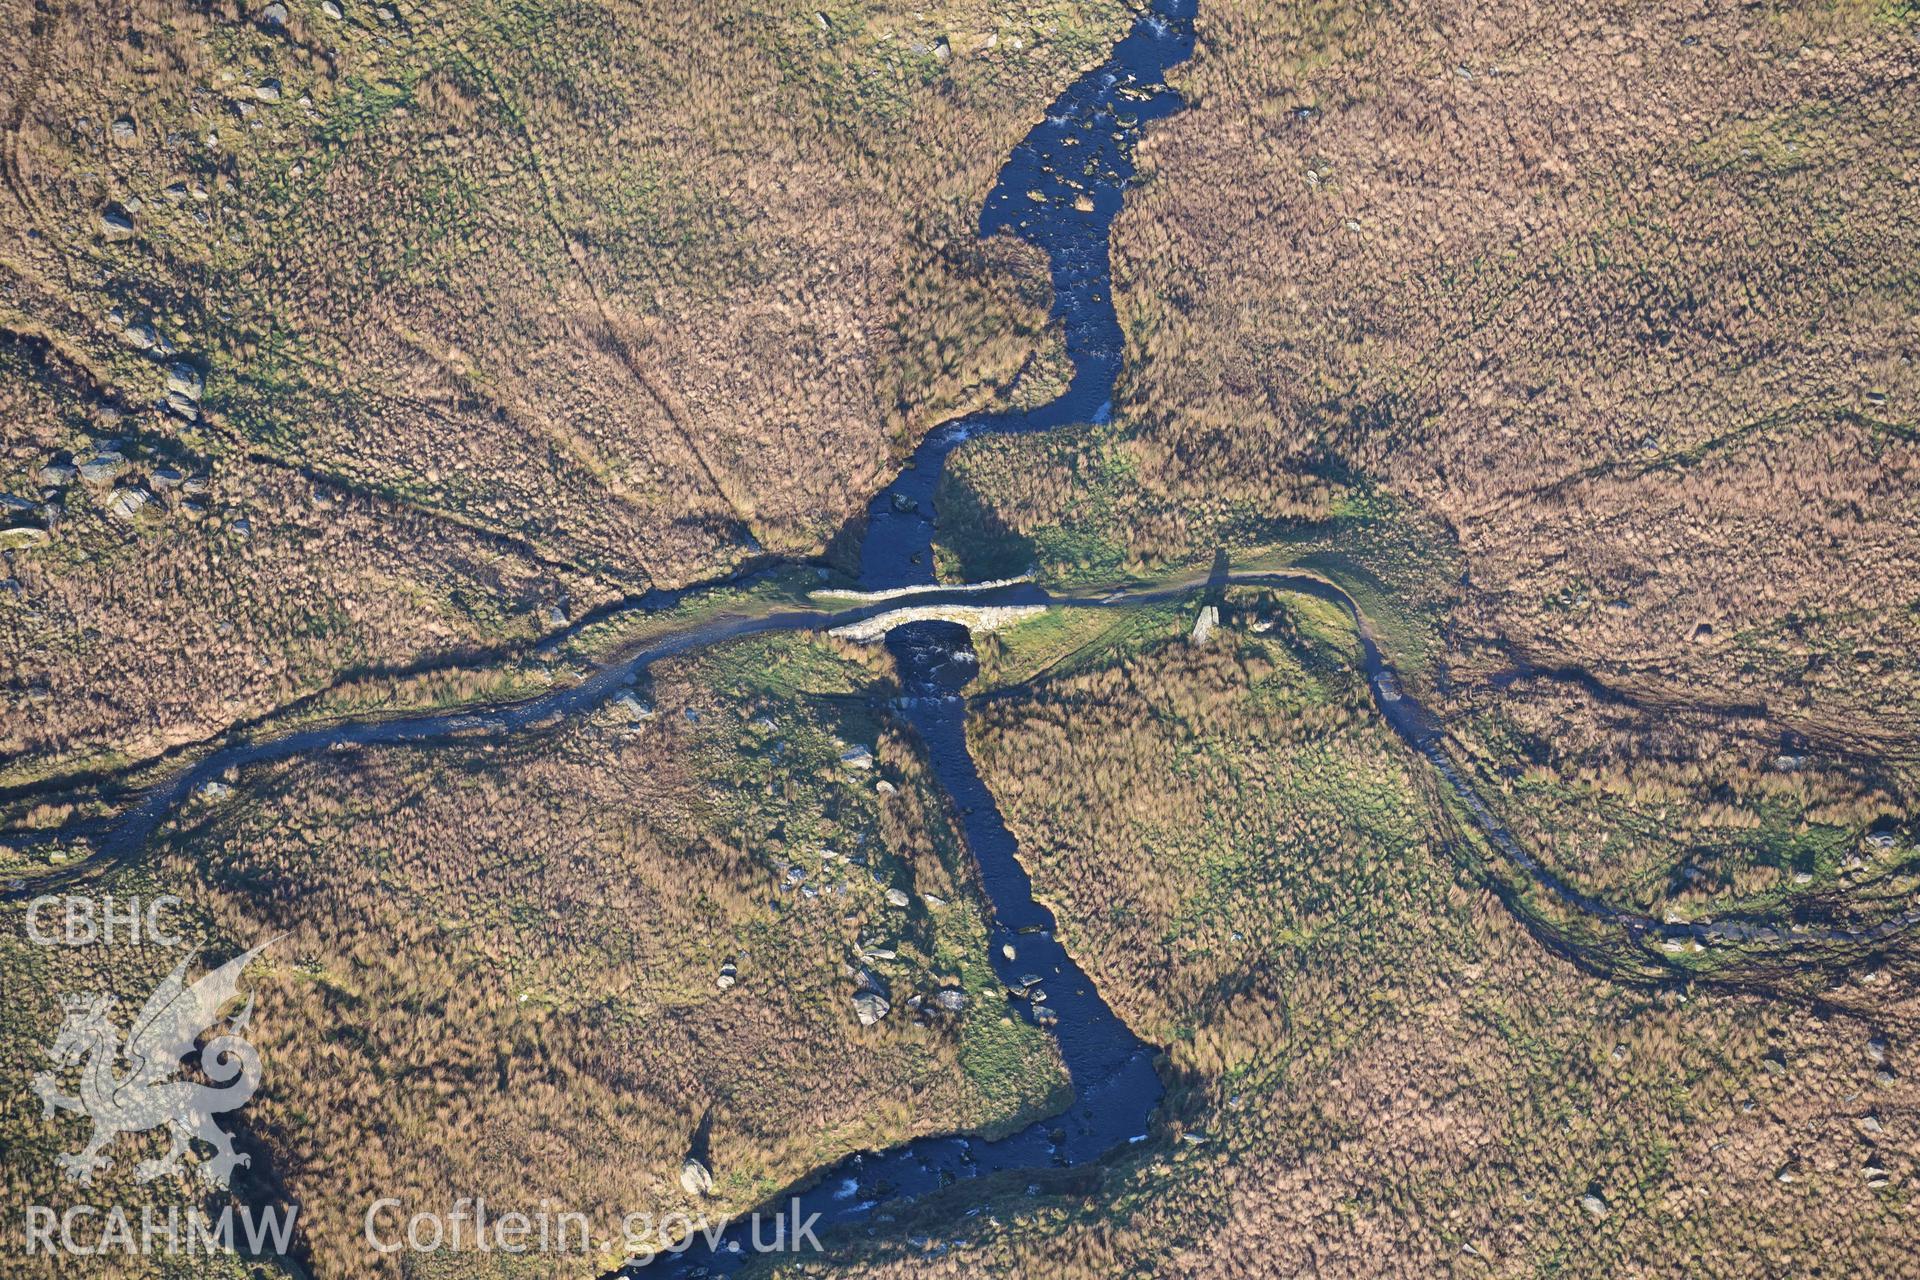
column 149, row 1093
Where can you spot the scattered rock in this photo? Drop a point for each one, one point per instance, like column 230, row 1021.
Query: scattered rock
column 331, row 9
column 184, row 379
column 116, row 222
column 898, row 898
column 57, row 474
column 164, row 478
column 1203, row 626
column 870, row 1007
column 267, row 91
column 1045, row 1015
column 23, row 535
column 857, row 758
column 274, row 15
column 139, row 335
column 950, row 999
column 1877, row 1049
column 213, row 789
column 635, row 708
column 942, row 49
column 104, row 467
column 695, row 1178
column 729, row 972
column 1595, row 1205
column 1775, row 1062
column 128, row 502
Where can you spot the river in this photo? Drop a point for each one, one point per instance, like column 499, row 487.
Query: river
column 1080, row 153
column 1083, row 147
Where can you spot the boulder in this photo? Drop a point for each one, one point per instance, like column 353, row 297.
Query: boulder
column 57, row 474
column 185, row 379
column 104, row 467
column 128, row 502
column 870, row 1007
column 634, row 708
column 695, row 1178
column 898, row 898
column 857, row 757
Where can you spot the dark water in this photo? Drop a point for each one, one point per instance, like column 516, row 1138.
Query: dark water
column 1115, row 1086
column 1083, row 147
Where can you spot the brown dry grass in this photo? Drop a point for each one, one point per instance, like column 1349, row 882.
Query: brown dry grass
column 642, row 291
column 1385, row 1073
column 1620, row 299
column 496, row 973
